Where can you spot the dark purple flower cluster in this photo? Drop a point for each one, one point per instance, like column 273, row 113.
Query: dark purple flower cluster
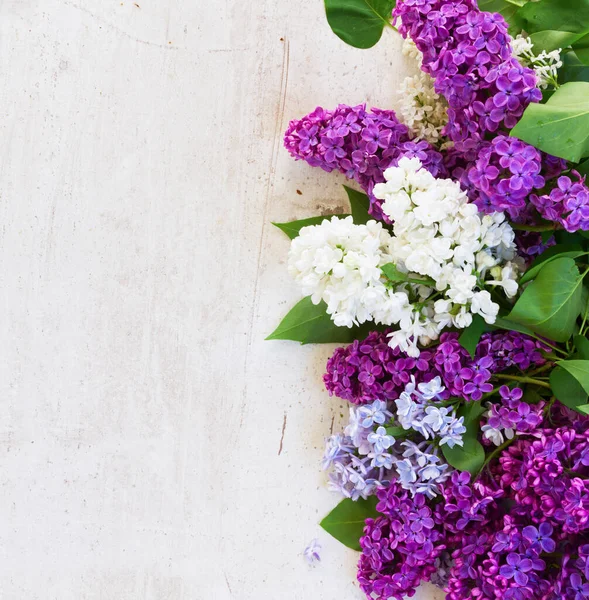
column 370, row 369
column 399, row 548
column 513, row 414
column 505, row 174
column 358, row 143
column 567, row 204
column 547, row 475
column 468, row 54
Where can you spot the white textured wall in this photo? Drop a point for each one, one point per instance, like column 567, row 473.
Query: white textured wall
column 142, row 412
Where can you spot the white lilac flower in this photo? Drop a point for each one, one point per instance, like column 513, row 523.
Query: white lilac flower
column 545, row 65
column 492, row 434
column 447, row 251
column 420, row 108
column 439, row 235
column 313, row 552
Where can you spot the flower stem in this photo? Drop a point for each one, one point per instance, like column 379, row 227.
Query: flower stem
column 524, row 380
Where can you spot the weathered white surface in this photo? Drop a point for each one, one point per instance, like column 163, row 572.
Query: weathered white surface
column 142, row 411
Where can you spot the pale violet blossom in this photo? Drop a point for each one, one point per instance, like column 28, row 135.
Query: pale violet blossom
column 312, row 552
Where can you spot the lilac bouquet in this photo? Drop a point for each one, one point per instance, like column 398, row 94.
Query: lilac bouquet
column 457, row 284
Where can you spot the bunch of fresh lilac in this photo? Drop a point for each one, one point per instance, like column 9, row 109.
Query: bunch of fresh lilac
column 567, row 204
column 505, row 174
column 468, row 53
column 367, row 456
column 512, row 416
column 370, row 369
column 401, row 547
column 358, row 143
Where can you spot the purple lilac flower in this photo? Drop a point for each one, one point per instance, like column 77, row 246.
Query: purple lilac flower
column 359, row 144
column 312, row 552
column 468, row 54
column 504, row 175
column 567, row 204
column 400, row 547
column 460, row 374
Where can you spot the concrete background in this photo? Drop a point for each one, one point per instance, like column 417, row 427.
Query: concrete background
column 152, row 445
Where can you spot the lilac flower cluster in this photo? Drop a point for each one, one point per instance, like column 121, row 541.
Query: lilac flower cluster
column 399, row 548
column 504, row 175
column 512, row 416
column 567, row 204
column 366, row 457
column 547, row 475
column 468, row 54
column 370, row 369
column 359, row 144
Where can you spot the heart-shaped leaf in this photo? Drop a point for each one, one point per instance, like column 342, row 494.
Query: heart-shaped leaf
column 561, row 126
column 293, row 228
column 471, row 336
column 359, row 23
column 551, row 304
column 552, row 253
column 346, row 521
column 567, row 389
column 359, row 205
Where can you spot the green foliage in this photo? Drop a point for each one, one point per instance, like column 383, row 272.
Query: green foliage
column 359, row 23
column 561, row 126
column 309, row 323
column 552, row 253
column 293, row 228
column 579, row 369
column 583, row 168
column 551, row 304
column 359, row 204
column 567, row 389
column 471, row 456
column 470, row 337
column 346, row 521
column 573, row 69
column 555, row 15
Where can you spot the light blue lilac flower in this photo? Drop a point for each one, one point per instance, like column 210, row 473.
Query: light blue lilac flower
column 337, row 447
column 312, row 552
column 374, row 413
column 380, row 440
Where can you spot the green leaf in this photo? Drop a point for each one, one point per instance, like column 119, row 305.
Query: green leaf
column 293, row 228
column 550, row 305
column 398, row 432
column 572, row 69
column 506, row 325
column 359, row 203
column 557, row 15
column 309, row 323
column 579, row 369
column 471, row 456
column 346, row 521
column 582, row 49
column 567, row 389
column 553, row 40
column 583, row 168
column 392, row 273
column 558, row 251
column 561, row 126
column 470, row 337
column 359, row 23
column 582, row 346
